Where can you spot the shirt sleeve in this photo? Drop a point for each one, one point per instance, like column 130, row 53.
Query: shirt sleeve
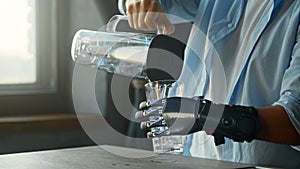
column 185, row 9
column 290, row 90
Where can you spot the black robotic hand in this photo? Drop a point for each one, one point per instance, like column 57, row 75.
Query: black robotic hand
column 181, row 116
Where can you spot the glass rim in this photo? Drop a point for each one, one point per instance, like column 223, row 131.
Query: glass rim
column 160, row 82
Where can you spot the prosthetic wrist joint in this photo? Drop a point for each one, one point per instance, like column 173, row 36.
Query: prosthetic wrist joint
column 239, row 123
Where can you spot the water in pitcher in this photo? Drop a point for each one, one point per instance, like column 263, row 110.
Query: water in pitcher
column 128, row 61
column 120, row 53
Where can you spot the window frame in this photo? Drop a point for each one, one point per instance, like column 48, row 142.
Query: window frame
column 45, row 97
column 46, row 53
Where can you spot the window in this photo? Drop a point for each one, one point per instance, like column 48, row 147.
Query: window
column 28, row 47
column 29, row 70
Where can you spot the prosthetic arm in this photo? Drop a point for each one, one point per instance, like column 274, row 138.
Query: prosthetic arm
column 180, row 116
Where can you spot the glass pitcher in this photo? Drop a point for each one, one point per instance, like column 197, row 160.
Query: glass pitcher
column 122, row 53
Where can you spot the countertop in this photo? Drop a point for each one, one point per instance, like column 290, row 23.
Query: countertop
column 107, row 157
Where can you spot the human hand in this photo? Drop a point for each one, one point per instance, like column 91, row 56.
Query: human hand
column 148, row 15
column 171, row 116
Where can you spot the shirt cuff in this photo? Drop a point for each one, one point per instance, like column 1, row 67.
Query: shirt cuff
column 290, row 102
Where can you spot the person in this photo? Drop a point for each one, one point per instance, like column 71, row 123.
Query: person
column 258, row 46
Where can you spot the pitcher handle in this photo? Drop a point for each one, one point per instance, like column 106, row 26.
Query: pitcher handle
column 113, row 22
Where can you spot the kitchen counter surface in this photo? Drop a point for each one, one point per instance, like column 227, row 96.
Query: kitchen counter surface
column 107, row 157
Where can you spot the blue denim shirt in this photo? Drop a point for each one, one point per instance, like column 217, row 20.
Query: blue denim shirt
column 258, row 67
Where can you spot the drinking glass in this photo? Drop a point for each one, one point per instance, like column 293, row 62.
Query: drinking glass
column 167, row 144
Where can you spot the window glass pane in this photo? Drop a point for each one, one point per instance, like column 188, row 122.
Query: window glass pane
column 17, row 42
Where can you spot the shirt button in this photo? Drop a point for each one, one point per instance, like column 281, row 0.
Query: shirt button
column 229, row 25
